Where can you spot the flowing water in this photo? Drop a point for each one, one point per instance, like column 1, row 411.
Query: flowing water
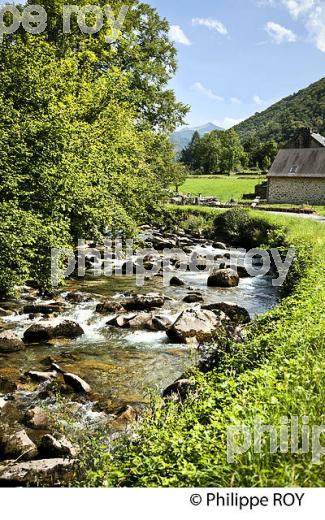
column 124, row 366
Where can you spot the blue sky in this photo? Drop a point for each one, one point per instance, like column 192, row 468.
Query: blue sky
column 237, row 57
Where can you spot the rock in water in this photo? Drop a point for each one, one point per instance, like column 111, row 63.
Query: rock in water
column 236, row 314
column 46, row 330
column 176, row 282
column 10, row 342
column 223, row 278
column 50, row 472
column 37, row 418
column 140, row 302
column 19, row 445
column 195, row 324
column 44, row 308
column 78, row 384
column 109, row 307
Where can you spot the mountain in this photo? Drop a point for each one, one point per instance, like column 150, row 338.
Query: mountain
column 183, row 137
column 306, row 108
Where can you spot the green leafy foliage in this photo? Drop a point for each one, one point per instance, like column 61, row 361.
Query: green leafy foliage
column 277, row 372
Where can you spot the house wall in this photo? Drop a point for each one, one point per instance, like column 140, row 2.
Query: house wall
column 296, row 191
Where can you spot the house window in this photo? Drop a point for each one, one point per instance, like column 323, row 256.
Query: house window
column 293, row 169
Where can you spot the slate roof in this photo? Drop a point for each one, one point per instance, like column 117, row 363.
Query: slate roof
column 299, row 162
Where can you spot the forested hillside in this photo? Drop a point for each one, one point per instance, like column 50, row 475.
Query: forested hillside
column 280, row 121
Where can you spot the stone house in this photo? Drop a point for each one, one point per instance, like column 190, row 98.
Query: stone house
column 297, row 175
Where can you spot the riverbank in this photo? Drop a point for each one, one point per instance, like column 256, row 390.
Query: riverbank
column 81, row 363
column 278, row 372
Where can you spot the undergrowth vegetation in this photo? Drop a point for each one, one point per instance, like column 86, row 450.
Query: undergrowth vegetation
column 277, row 373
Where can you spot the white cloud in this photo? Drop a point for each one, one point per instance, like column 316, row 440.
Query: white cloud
column 235, row 100
column 177, row 35
column 228, row 122
column 316, row 27
column 199, row 87
column 280, row 34
column 258, row 101
column 211, row 24
column 298, row 7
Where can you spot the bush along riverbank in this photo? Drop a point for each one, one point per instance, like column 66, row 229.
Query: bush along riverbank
column 276, row 377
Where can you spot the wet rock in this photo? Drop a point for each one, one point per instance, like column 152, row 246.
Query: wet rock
column 122, row 321
column 45, row 331
column 140, row 302
column 37, row 418
column 41, row 376
column 78, row 384
column 159, row 243
column 223, row 278
column 44, row 308
column 109, row 307
column 19, row 445
column 10, row 342
column 178, row 390
column 161, row 323
column 219, row 245
column 142, row 321
column 176, row 282
column 50, row 472
column 50, row 448
column 237, row 314
column 195, row 324
column 193, row 297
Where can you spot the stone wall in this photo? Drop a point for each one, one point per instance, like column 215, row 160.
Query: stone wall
column 296, row 191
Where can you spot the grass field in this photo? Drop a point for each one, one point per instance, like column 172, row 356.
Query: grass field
column 223, row 187
column 226, row 188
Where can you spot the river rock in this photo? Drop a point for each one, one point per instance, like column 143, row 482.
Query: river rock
column 126, row 416
column 109, row 307
column 122, row 321
column 219, row 245
column 142, row 321
column 78, row 384
column 223, row 278
column 141, row 302
column 44, row 308
column 51, row 472
column 19, row 445
column 10, row 342
column 193, row 297
column 195, row 324
column 238, row 315
column 41, row 376
column 176, row 282
column 78, row 297
column 37, row 418
column 162, row 323
column 45, row 331
column 53, row 448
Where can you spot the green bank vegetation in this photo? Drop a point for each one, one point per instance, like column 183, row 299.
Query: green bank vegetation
column 278, row 372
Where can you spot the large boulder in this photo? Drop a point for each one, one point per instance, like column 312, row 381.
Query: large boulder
column 223, row 278
column 19, row 445
column 78, row 384
column 47, row 330
column 10, row 342
column 237, row 315
column 195, row 324
column 41, row 377
column 142, row 321
column 143, row 302
column 178, row 391
column 50, row 472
